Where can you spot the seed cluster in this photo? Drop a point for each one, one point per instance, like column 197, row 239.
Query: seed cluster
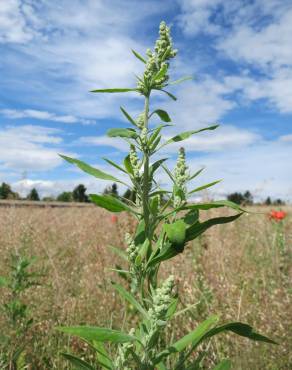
column 131, row 250
column 157, row 61
column 181, row 176
column 135, row 162
column 121, row 361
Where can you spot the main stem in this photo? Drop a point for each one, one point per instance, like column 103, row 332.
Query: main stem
column 145, row 195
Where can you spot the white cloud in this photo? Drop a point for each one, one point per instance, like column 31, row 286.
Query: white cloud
column 29, row 147
column 43, row 115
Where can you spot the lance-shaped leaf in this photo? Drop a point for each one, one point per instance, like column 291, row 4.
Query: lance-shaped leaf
column 162, row 114
column 119, row 90
column 102, row 356
column 206, row 186
column 215, row 204
column 138, row 56
column 192, row 338
column 129, row 133
column 223, row 365
column 129, row 118
column 156, row 165
column 198, row 228
column 186, row 78
column 91, row 170
column 239, row 328
column 93, row 333
column 119, row 252
column 110, row 203
column 112, row 163
column 130, row 298
column 169, row 94
column 77, row 362
column 167, row 252
column 196, row 173
column 185, row 135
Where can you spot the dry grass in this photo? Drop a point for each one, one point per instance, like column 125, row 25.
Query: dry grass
column 238, row 271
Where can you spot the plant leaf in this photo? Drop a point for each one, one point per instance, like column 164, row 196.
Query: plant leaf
column 129, row 118
column 176, row 233
column 110, row 203
column 90, row 170
column 169, row 94
column 223, row 365
column 119, row 90
column 241, row 329
column 204, row 186
column 186, row 78
column 93, row 333
column 122, row 132
column 114, row 165
column 196, row 173
column 163, row 115
column 102, row 355
column 185, row 135
column 198, row 228
column 130, row 298
column 77, row 362
column 137, row 55
column 215, row 204
column 193, row 338
column 156, row 165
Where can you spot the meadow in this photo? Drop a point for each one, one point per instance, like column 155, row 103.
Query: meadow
column 241, row 271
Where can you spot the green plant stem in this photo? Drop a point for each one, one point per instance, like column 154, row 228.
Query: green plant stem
column 145, row 195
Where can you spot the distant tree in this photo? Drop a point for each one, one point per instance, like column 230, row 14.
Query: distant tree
column 66, row 196
column 112, row 190
column 5, row 191
column 236, row 197
column 33, row 195
column 279, row 202
column 79, row 194
column 248, row 198
column 268, row 201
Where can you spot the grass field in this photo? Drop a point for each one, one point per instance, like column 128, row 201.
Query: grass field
column 239, row 271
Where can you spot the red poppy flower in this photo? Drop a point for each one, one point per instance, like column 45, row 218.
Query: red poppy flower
column 114, row 219
column 277, row 215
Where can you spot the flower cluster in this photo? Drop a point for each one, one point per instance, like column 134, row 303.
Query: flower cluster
column 135, row 163
column 181, row 176
column 131, row 250
column 121, row 361
column 161, row 300
column 156, row 64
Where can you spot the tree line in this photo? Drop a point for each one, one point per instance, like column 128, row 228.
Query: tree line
column 78, row 194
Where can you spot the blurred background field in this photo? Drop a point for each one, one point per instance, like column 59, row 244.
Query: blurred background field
column 241, row 271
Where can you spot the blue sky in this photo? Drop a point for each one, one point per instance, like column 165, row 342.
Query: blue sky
column 54, row 52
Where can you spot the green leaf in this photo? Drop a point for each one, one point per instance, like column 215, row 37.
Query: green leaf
column 130, row 298
column 128, row 165
column 176, row 233
column 224, row 365
column 113, row 90
column 122, row 132
column 119, row 252
column 185, row 135
column 137, row 55
column 204, row 186
column 77, row 362
column 163, row 115
column 114, row 164
column 193, row 338
column 129, row 118
column 161, row 73
column 239, row 328
column 90, row 170
column 167, row 252
column 196, row 173
column 156, row 165
column 198, row 228
column 93, row 333
column 169, row 173
column 102, row 355
column 110, row 203
column 169, row 94
column 186, row 78
column 215, row 204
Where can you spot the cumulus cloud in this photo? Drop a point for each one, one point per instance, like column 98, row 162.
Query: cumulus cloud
column 29, row 147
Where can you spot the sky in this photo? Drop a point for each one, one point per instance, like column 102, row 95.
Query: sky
column 239, row 52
